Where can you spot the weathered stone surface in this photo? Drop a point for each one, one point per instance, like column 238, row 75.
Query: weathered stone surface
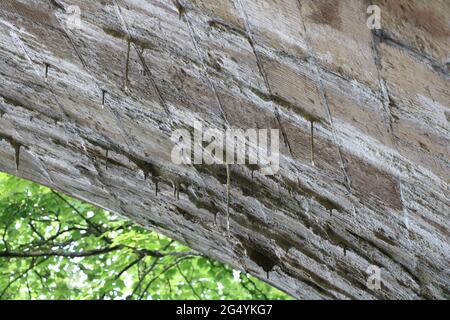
column 372, row 189
column 339, row 38
column 418, row 27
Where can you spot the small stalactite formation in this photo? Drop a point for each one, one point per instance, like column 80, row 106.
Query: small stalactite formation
column 312, row 144
column 176, row 190
column 215, row 218
column 103, row 97
column 146, row 173
column 106, row 159
column 253, row 168
column 16, row 147
column 228, row 197
column 127, row 66
column 181, row 10
column 47, row 66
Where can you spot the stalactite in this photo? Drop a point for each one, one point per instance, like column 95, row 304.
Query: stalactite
column 181, row 10
column 46, row 69
column 228, row 198
column 106, row 159
column 16, row 147
column 174, row 189
column 127, row 65
column 312, row 143
column 103, row 97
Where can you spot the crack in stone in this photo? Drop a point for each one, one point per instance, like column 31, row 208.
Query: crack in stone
column 184, row 17
column 127, row 67
column 22, row 46
column 324, row 98
column 123, row 133
column 149, row 74
column 383, row 36
column 384, row 91
column 260, row 65
column 312, row 143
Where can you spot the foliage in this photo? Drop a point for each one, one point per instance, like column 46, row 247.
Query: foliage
column 55, row 247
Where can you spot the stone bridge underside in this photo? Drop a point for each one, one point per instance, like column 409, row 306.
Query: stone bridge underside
column 89, row 111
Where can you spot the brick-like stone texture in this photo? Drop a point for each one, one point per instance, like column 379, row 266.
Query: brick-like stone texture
column 368, row 187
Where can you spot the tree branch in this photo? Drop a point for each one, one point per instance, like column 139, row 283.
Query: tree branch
column 88, row 253
column 95, row 252
column 188, row 283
